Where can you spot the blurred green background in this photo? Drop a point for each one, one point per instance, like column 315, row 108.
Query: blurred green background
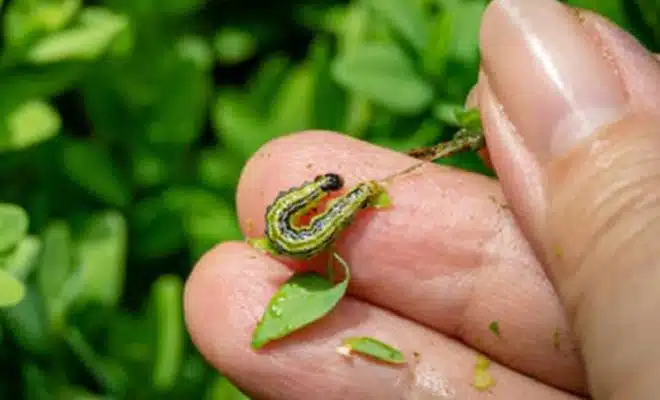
column 124, row 127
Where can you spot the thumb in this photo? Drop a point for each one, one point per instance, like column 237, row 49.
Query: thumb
column 570, row 109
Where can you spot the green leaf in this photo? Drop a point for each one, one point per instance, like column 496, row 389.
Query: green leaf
column 374, row 348
column 359, row 115
column 149, row 168
column 178, row 119
column 469, row 119
column 383, row 73
column 110, row 378
column 23, row 258
column 26, row 19
column 28, row 323
column 158, row 228
column 447, row 113
column 147, row 10
column 437, row 52
column 93, row 168
column 102, row 257
column 56, row 262
column 210, row 226
column 223, row 389
column 94, row 35
column 37, row 383
column 353, row 28
column 12, row 290
column 325, row 18
column 32, row 122
column 195, row 49
column 132, row 342
column 166, row 297
column 13, row 225
column 207, row 220
column 650, row 13
column 27, row 83
column 263, row 86
column 329, row 105
column 135, row 97
column 405, row 17
column 300, row 301
column 218, row 169
column 238, row 125
column 78, row 393
column 465, row 20
column 458, row 116
column 234, row 45
column 291, row 110
column 176, row 7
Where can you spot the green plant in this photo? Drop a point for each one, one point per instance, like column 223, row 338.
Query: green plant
column 124, row 125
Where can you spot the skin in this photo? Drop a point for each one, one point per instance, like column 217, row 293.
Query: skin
column 457, row 251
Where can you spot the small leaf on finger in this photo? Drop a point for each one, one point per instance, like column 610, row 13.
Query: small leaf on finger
column 373, row 348
column 303, row 299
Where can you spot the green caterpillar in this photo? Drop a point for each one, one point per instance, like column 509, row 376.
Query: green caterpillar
column 284, row 237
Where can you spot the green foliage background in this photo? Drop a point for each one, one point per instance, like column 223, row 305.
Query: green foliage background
column 124, row 125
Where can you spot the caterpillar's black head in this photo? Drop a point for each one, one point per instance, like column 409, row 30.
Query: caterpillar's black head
column 330, row 182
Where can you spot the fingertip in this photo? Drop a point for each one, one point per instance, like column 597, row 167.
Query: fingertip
column 221, row 295
column 275, row 155
column 292, row 154
column 208, row 266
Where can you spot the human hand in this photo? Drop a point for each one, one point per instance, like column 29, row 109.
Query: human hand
column 430, row 274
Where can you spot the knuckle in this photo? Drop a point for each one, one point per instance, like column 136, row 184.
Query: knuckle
column 603, row 210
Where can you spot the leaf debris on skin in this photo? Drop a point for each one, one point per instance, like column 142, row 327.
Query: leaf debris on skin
column 495, row 328
column 373, row 348
column 249, row 225
column 556, row 339
column 482, row 378
column 559, row 252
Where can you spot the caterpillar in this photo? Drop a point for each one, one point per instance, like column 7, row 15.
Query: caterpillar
column 283, row 235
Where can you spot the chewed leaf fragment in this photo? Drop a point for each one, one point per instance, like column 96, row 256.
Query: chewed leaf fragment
column 382, row 200
column 373, row 348
column 303, row 299
column 559, row 252
column 482, row 362
column 249, row 225
column 556, row 339
column 482, row 378
column 494, row 327
column 263, row 245
column 469, row 119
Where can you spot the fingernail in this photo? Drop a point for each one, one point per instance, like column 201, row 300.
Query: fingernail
column 552, row 79
column 472, row 98
column 636, row 65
